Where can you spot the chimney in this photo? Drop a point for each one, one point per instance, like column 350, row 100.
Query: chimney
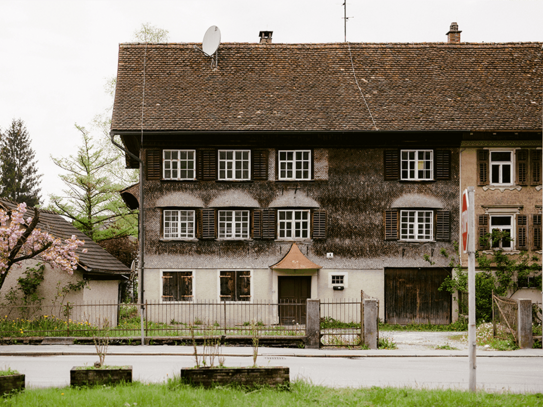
column 453, row 35
column 265, row 37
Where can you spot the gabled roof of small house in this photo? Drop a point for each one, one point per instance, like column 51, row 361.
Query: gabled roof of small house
column 295, row 260
column 330, row 87
column 96, row 260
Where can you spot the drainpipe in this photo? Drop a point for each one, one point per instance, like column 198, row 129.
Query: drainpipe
column 141, row 233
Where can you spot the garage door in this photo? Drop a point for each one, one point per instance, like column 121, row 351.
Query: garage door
column 412, row 296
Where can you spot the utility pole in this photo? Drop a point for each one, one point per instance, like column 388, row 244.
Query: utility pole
column 472, row 334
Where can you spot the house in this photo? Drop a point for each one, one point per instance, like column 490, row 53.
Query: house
column 294, row 171
column 101, row 271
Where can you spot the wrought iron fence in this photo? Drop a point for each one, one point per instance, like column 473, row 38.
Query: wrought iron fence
column 341, row 322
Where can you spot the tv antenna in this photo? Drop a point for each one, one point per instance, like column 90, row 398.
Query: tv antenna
column 210, row 44
column 345, row 18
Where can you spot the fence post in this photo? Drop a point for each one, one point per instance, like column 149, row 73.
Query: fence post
column 313, row 324
column 362, row 337
column 68, row 318
column 371, row 315
column 146, row 321
column 493, row 317
column 224, row 319
column 524, row 323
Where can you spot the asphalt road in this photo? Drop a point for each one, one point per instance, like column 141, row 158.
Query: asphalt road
column 496, row 374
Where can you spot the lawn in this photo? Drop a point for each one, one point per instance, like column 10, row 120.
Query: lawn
column 301, row 394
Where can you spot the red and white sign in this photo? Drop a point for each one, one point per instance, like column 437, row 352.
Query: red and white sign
column 464, row 221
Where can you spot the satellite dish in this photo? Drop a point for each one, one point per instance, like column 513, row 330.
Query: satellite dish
column 212, row 39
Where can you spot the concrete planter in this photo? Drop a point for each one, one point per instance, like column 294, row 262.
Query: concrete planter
column 89, row 377
column 12, row 383
column 245, row 376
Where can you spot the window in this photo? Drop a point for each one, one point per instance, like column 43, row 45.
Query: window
column 502, row 224
column 235, row 285
column 293, row 224
column 179, row 164
column 179, row 224
column 416, row 225
column 234, row 165
column 233, row 224
column 417, row 165
column 337, row 279
column 501, row 167
column 294, row 165
column 177, row 286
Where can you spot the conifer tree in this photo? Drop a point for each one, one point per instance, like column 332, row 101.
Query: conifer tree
column 19, row 178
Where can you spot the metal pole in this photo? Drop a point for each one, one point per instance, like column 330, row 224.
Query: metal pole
column 345, row 19
column 471, row 290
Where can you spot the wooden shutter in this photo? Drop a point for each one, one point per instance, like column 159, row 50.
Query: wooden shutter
column 482, row 167
column 392, row 165
column 522, row 173
column 443, row 225
column 153, row 163
column 260, row 165
column 207, row 164
column 257, row 224
column 243, row 286
column 522, row 232
column 535, row 167
column 227, row 285
column 207, row 225
column 391, row 224
column 319, row 224
column 269, row 223
column 536, row 227
column 442, row 164
column 482, row 230
column 167, row 286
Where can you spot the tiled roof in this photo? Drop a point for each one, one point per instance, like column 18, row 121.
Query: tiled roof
column 311, row 87
column 96, row 259
column 295, row 260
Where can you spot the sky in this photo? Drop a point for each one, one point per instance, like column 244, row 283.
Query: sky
column 57, row 55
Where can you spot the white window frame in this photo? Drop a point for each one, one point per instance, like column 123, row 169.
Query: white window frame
column 232, row 223
column 162, row 285
column 511, row 163
column 251, row 276
column 292, row 164
column 413, row 226
column 190, row 224
column 293, row 224
column 333, row 274
column 236, row 165
column 178, row 162
column 413, row 164
column 511, row 227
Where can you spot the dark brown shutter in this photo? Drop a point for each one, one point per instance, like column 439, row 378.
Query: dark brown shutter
column 391, row 224
column 207, row 164
column 167, row 286
column 227, row 285
column 260, row 165
column 482, row 167
column 153, row 163
column 535, row 167
column 522, row 232
column 443, row 225
column 392, row 165
column 243, row 286
column 482, row 230
column 443, row 164
column 536, row 227
column 319, row 224
column 268, row 223
column 522, row 173
column 257, row 224
column 206, row 224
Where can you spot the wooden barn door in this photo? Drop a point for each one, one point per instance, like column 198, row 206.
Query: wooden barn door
column 293, row 293
column 412, row 295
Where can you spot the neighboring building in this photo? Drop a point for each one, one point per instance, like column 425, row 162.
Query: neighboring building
column 101, row 270
column 296, row 171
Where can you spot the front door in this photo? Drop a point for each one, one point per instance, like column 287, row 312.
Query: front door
column 293, row 293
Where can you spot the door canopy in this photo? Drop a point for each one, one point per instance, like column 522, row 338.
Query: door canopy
column 295, row 260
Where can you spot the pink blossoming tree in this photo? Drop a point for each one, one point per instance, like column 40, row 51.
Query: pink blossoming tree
column 20, row 240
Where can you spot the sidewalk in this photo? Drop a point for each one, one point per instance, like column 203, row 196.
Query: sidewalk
column 165, row 350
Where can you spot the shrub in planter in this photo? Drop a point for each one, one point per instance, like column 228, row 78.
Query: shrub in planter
column 90, row 376
column 11, row 381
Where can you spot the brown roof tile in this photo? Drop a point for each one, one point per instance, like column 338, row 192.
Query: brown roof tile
column 311, row 87
column 295, row 260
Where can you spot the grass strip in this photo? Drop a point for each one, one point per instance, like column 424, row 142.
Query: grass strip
column 301, row 394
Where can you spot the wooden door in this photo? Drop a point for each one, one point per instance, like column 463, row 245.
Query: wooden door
column 412, row 296
column 293, row 293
